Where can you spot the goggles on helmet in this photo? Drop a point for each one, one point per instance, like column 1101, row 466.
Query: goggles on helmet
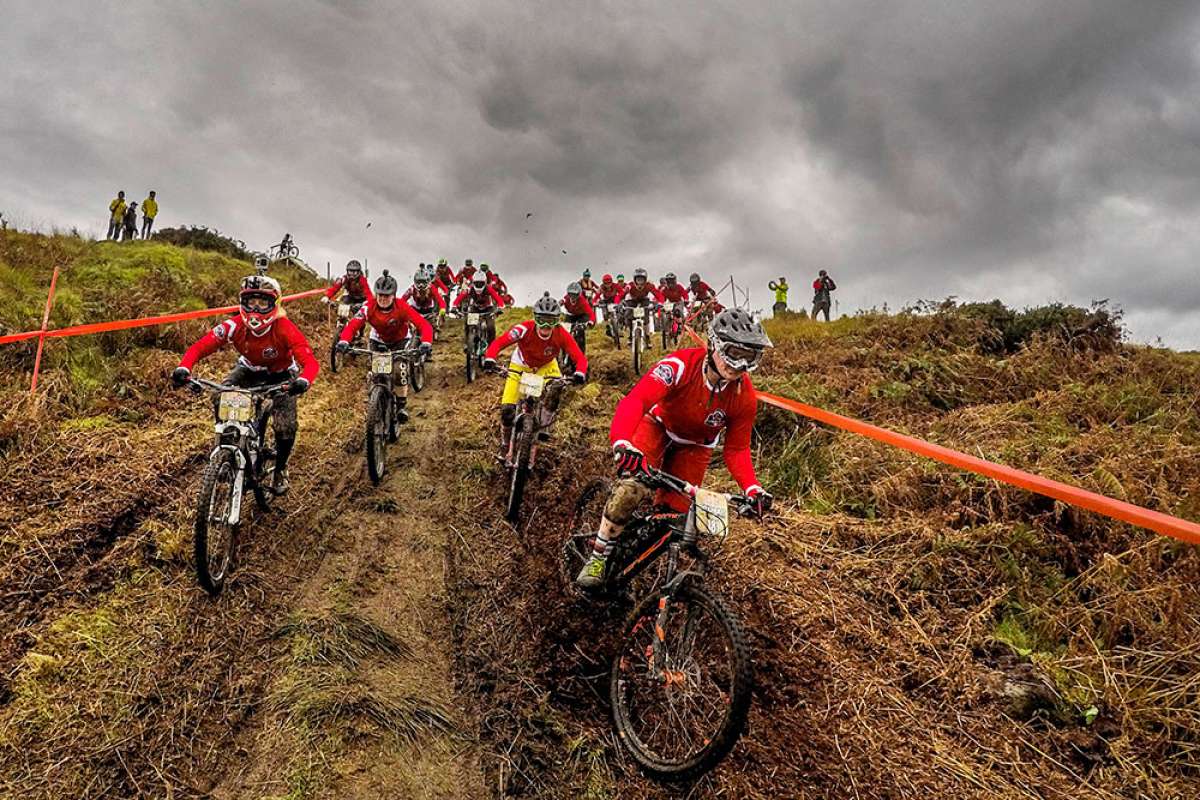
column 739, row 356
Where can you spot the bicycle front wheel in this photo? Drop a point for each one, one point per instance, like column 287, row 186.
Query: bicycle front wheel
column 519, row 472
column 680, row 714
column 378, row 431
column 214, row 533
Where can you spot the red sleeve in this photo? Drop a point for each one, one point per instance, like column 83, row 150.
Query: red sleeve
column 407, row 293
column 458, row 300
column 591, row 312
column 441, row 301
column 816, row 285
column 502, row 341
column 355, row 324
column 657, row 294
column 566, row 341
column 619, row 296
column 685, row 293
column 652, row 388
column 301, row 350
column 737, row 439
column 499, row 300
column 207, row 344
column 334, row 287
column 422, row 325
column 453, row 277
column 366, row 287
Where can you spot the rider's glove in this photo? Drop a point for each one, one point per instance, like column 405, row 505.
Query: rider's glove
column 591, row 323
column 325, row 300
column 579, row 377
column 630, row 460
column 489, row 364
column 298, row 387
column 441, row 312
column 343, row 347
column 180, row 376
column 761, row 500
column 426, row 350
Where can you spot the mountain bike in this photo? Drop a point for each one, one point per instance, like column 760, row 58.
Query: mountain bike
column 681, row 682
column 242, row 459
column 672, row 325
column 475, row 341
column 639, row 340
column 612, row 323
column 382, row 415
column 579, row 329
column 530, row 425
column 701, row 315
column 345, row 311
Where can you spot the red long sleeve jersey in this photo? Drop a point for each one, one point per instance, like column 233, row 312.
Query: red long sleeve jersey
column 390, row 326
column 535, row 352
column 445, row 275
column 674, row 294
column 354, row 293
column 482, row 300
column 607, row 292
column 701, row 291
column 580, row 306
column 277, row 350
column 677, row 394
column 416, row 301
column 634, row 292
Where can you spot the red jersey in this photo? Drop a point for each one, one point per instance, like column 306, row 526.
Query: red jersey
column 676, row 394
column 579, row 307
column 607, row 292
column 701, row 291
column 423, row 304
column 278, row 350
column 483, row 300
column 390, row 326
column 674, row 294
column 535, row 352
column 445, row 275
column 589, row 286
column 465, row 274
column 354, row 294
column 639, row 293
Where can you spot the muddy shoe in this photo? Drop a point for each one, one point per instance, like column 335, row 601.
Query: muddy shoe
column 591, row 577
column 280, row 485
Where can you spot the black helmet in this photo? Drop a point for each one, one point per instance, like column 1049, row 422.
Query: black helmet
column 694, row 277
column 640, row 273
column 421, row 279
column 669, row 278
column 468, row 262
column 739, row 337
column 547, row 311
column 385, row 284
column 574, row 288
column 353, row 267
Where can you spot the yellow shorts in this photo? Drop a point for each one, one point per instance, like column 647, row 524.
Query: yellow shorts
column 514, row 379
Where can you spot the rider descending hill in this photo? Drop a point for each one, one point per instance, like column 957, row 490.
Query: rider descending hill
column 481, row 298
column 272, row 350
column 578, row 309
column 354, row 283
column 445, row 275
column 673, row 418
column 640, row 292
column 389, row 317
column 539, row 342
column 424, row 296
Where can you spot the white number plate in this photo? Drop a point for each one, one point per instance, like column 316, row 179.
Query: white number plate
column 381, row 363
column 472, row 319
column 531, row 385
column 343, row 309
column 712, row 513
column 639, row 313
column 234, row 407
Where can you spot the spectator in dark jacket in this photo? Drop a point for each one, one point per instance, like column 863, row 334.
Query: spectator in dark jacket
column 131, row 222
column 822, row 286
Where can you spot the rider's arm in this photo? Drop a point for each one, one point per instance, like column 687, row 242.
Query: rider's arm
column 355, row 325
column 441, row 301
column 657, row 294
column 591, row 312
column 366, row 287
column 422, row 325
column 504, row 340
column 495, row 297
column 208, row 344
column 567, row 342
column 651, row 389
column 335, row 287
column 458, row 301
column 301, row 350
column 737, row 440
column 685, row 293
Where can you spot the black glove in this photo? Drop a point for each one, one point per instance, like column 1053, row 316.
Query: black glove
column 343, row 347
column 760, row 502
column 181, row 376
column 579, row 378
column 630, row 460
column 426, row 350
column 298, row 387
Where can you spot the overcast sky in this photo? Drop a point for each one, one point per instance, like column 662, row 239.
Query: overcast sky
column 1032, row 150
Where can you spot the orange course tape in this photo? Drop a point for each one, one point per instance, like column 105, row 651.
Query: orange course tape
column 1178, row 528
column 125, row 324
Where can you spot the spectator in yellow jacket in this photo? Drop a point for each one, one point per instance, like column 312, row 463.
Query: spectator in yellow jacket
column 116, row 216
column 149, row 212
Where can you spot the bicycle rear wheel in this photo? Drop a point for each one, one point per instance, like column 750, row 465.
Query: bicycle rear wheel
column 679, row 721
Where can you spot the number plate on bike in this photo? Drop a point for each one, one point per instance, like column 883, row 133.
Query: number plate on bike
column 639, row 313
column 712, row 513
column 234, row 407
column 381, row 363
column 343, row 309
column 472, row 319
column 531, row 385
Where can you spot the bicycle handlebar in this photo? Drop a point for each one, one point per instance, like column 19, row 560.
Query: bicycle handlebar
column 213, row 387
column 657, row 479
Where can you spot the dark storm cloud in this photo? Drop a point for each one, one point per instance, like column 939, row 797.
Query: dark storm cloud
column 1030, row 150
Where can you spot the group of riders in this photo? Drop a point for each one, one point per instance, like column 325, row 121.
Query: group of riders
column 672, row 419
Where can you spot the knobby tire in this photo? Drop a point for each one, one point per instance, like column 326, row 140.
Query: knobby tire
column 221, row 471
